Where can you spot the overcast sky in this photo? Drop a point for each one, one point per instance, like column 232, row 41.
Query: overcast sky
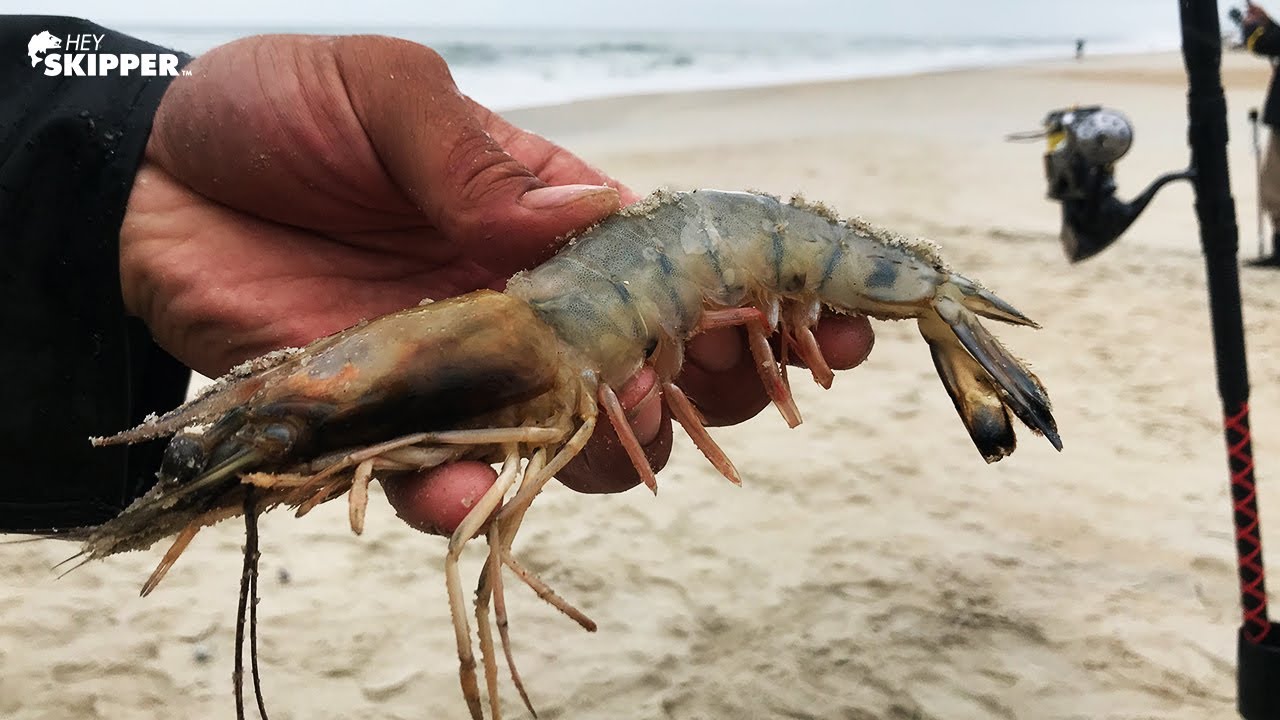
column 897, row 17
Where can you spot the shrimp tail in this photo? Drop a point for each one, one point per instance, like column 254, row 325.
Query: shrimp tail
column 985, row 381
column 985, row 303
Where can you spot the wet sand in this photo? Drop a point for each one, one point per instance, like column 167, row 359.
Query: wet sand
column 871, row 566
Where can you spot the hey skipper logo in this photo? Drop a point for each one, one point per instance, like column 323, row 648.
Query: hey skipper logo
column 84, row 56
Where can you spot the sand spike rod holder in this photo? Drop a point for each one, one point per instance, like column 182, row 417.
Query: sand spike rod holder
column 1084, row 144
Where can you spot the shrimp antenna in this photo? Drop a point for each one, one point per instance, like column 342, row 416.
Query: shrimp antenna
column 248, row 611
column 64, row 562
column 23, row 541
column 73, row 568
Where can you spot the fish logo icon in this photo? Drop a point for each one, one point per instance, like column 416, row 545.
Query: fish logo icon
column 41, row 43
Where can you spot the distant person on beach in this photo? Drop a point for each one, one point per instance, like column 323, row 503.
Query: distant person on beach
column 279, row 189
column 1234, row 41
column 1262, row 37
column 1079, row 48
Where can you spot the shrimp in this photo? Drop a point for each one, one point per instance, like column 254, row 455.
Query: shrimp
column 518, row 379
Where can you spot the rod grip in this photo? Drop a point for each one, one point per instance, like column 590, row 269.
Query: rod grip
column 1258, row 677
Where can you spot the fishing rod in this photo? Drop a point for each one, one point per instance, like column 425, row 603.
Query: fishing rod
column 1084, row 145
column 1258, row 640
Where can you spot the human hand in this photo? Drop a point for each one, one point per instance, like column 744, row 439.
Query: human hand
column 294, row 185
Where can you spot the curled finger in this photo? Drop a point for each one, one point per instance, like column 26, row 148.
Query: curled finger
column 604, row 466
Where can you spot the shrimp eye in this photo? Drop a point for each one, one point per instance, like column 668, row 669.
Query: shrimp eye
column 278, row 436
column 183, row 458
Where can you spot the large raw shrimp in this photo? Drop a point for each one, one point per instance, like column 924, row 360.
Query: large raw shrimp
column 516, row 378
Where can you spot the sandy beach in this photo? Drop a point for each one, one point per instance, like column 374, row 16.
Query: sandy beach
column 872, row 565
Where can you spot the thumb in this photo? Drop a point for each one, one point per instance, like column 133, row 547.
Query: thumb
column 436, row 150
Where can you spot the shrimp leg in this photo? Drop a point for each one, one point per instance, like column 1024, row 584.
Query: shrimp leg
column 180, row 545
column 453, row 578
column 504, row 525
column 487, row 652
column 515, row 509
column 520, row 503
column 758, row 330
column 358, row 498
column 691, row 421
column 799, row 319
column 491, row 586
column 630, row 443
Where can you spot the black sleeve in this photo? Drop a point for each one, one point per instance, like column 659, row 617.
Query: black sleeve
column 72, row 365
column 1263, row 39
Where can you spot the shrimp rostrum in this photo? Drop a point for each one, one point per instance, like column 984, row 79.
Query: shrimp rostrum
column 518, row 378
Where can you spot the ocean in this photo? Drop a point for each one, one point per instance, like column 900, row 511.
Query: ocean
column 507, row 68
column 509, row 54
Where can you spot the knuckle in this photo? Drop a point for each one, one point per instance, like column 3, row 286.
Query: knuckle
column 481, row 171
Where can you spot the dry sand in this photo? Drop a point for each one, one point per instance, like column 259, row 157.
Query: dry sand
column 872, row 566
